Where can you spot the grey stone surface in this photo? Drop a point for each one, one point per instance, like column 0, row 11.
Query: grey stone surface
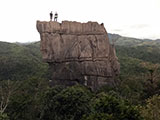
column 78, row 53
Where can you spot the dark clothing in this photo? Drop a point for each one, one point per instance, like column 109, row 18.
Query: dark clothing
column 55, row 16
column 51, row 16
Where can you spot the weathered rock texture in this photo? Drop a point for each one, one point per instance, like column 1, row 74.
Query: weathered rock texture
column 78, row 53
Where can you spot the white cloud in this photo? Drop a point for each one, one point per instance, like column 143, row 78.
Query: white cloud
column 18, row 17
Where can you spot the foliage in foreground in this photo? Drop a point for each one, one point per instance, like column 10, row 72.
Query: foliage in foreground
column 68, row 104
column 151, row 111
column 4, row 116
column 78, row 103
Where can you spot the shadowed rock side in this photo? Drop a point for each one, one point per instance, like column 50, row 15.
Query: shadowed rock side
column 78, row 53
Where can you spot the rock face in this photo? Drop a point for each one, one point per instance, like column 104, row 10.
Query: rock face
column 78, row 53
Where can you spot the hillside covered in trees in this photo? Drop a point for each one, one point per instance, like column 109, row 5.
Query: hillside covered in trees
column 25, row 93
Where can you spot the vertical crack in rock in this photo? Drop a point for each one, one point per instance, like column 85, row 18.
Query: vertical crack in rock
column 78, row 53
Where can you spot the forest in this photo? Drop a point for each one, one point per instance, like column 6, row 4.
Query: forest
column 26, row 94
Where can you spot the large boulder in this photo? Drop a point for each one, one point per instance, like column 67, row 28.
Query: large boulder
column 78, row 53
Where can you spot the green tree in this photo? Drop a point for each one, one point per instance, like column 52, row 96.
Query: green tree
column 99, row 116
column 115, row 107
column 151, row 111
column 26, row 103
column 67, row 104
column 152, row 80
column 3, row 116
column 7, row 90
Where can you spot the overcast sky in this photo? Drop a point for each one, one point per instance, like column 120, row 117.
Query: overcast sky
column 133, row 18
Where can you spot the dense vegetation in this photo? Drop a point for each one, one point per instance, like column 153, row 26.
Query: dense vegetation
column 25, row 93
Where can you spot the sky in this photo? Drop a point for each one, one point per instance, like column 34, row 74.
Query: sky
column 131, row 18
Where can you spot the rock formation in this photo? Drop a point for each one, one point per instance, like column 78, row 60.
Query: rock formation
column 78, row 53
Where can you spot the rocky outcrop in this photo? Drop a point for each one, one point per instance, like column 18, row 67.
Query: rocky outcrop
column 78, row 53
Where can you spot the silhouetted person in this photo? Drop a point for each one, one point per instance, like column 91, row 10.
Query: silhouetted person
column 51, row 16
column 55, row 16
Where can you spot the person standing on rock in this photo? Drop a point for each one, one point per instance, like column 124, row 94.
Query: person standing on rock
column 55, row 16
column 51, row 16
